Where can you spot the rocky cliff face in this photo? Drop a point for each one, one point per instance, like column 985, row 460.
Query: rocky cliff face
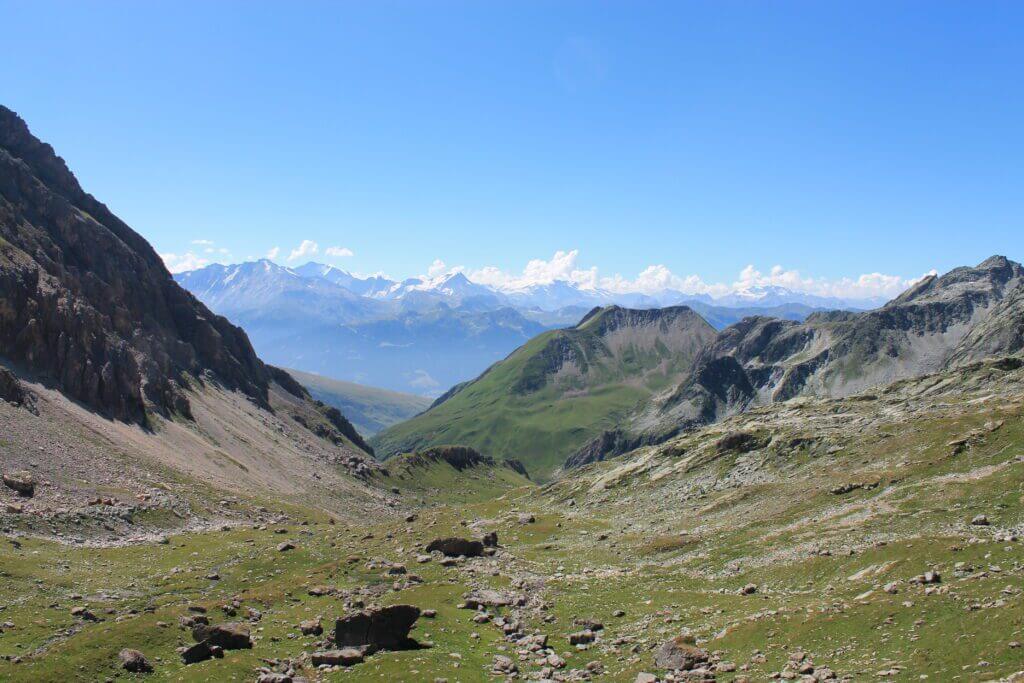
column 86, row 302
column 963, row 316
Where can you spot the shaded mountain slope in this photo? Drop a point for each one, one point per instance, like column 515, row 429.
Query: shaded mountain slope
column 561, row 388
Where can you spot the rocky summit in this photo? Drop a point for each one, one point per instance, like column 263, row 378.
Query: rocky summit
column 635, row 497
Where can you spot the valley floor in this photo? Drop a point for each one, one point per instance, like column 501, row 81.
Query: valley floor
column 792, row 542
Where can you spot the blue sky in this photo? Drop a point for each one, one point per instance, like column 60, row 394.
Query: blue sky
column 832, row 138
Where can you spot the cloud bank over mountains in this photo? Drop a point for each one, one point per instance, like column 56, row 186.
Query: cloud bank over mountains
column 564, row 266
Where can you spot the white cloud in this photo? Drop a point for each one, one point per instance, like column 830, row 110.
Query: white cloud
column 307, row 248
column 422, row 380
column 179, row 263
column 436, row 268
column 561, row 266
column 653, row 279
column 865, row 286
column 339, row 251
column 273, row 252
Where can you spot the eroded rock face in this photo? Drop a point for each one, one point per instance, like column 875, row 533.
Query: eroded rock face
column 382, row 629
column 86, row 301
column 454, row 547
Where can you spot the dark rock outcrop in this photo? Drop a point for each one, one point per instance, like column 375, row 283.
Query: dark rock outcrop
column 200, row 652
column 13, row 391
column 454, row 547
column 611, row 443
column 383, row 629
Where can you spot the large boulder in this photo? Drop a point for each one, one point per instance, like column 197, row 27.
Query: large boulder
column 200, row 652
column 680, row 654
column 230, row 636
column 134, row 661
column 453, row 547
column 380, row 629
column 22, row 482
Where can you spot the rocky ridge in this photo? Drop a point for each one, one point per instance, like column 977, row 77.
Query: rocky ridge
column 942, row 322
column 87, row 303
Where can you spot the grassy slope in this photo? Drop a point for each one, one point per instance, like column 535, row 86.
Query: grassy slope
column 540, row 428
column 368, row 408
column 668, row 535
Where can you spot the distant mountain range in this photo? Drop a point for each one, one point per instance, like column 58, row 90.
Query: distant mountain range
column 424, row 335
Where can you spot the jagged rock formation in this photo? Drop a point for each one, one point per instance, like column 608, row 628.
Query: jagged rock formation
column 87, row 303
column 942, row 322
